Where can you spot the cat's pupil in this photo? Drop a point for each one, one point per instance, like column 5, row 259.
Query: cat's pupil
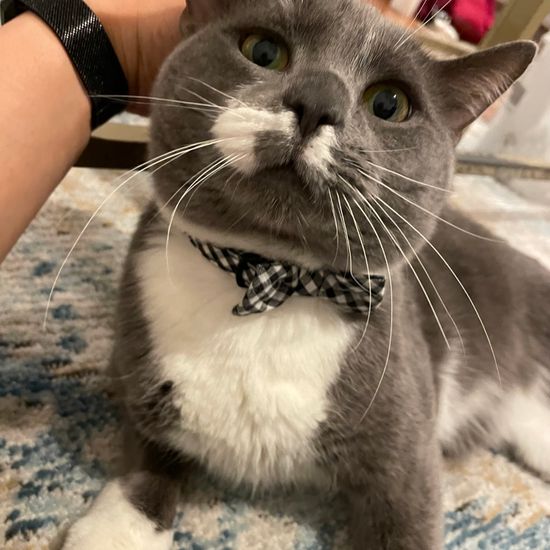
column 265, row 52
column 385, row 104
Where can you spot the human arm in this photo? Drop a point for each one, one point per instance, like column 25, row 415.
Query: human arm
column 44, row 109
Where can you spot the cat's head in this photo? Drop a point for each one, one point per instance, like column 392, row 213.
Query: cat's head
column 322, row 131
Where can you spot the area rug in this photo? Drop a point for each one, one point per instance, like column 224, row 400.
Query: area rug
column 59, row 428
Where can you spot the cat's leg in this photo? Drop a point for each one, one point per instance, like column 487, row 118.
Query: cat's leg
column 134, row 511
column 398, row 510
column 523, row 423
column 468, row 404
column 119, row 521
column 514, row 416
column 389, row 468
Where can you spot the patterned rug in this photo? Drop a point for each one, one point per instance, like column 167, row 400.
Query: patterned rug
column 59, row 430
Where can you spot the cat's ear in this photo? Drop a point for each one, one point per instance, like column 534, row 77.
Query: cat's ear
column 198, row 13
column 470, row 84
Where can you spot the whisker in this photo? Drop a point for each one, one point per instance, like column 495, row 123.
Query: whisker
column 384, row 370
column 337, row 233
column 403, row 41
column 403, row 176
column 241, row 179
column 418, row 280
column 239, row 219
column 196, row 187
column 214, row 89
column 303, row 237
column 397, row 150
column 400, row 249
column 151, row 99
column 225, row 162
column 214, row 105
column 367, row 151
column 348, row 240
column 207, row 101
column 183, row 185
column 429, row 212
column 171, row 155
column 361, row 242
column 440, row 298
column 427, row 241
column 349, row 257
column 229, row 180
column 199, row 178
column 359, row 235
column 411, row 21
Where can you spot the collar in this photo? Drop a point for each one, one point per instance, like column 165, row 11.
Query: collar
column 269, row 283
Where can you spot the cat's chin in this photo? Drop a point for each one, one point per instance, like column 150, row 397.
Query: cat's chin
column 295, row 175
column 257, row 242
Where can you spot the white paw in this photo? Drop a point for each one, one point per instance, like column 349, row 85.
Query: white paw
column 113, row 523
column 524, row 422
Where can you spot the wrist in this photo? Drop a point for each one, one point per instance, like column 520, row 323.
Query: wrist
column 90, row 49
column 143, row 33
column 120, row 21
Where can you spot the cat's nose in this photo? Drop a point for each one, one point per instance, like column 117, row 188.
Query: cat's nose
column 312, row 115
column 318, row 99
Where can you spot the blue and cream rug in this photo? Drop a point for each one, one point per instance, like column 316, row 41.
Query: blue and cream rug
column 58, row 426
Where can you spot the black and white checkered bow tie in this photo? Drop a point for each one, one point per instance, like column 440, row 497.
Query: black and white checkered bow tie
column 269, row 283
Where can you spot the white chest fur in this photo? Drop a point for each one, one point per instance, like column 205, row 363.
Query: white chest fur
column 251, row 390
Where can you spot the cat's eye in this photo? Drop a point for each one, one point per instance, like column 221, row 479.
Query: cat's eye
column 388, row 102
column 265, row 51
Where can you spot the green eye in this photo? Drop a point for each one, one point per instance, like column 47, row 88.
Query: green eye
column 265, row 52
column 388, row 102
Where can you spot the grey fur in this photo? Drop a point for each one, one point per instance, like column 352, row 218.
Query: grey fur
column 318, row 98
column 383, row 453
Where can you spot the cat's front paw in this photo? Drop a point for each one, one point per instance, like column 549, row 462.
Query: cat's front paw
column 113, row 523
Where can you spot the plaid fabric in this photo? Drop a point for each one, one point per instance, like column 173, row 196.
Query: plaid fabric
column 269, row 283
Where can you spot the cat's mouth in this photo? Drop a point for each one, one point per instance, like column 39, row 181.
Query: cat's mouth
column 293, row 171
column 260, row 140
column 308, row 163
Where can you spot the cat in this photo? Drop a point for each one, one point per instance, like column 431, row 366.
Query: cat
column 312, row 138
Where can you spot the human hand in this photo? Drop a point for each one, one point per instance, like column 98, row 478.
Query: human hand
column 143, row 33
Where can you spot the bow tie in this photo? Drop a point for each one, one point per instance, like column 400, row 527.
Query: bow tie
column 270, row 283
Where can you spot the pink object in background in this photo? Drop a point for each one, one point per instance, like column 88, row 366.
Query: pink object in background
column 471, row 18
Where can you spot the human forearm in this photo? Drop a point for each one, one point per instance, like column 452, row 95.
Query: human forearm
column 44, row 117
column 44, row 111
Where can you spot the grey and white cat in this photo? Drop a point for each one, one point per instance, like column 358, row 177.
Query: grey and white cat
column 324, row 137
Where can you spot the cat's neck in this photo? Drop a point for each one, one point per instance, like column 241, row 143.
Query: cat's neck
column 248, row 243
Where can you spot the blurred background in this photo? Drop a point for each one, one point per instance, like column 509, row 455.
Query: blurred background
column 511, row 141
